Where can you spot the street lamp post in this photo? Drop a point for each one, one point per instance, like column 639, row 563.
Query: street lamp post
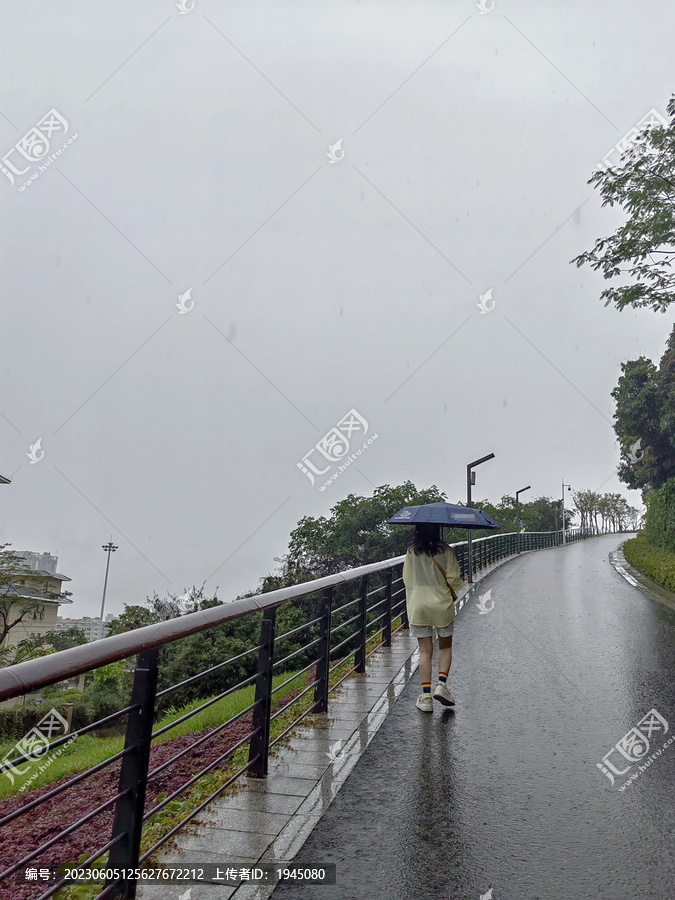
column 471, row 479
column 109, row 548
column 569, row 488
column 518, row 510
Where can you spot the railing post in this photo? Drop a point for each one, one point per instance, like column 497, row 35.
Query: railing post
column 323, row 659
column 386, row 632
column 459, row 553
column 360, row 655
column 260, row 740
column 129, row 809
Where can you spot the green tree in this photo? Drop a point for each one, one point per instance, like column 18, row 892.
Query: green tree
column 615, row 513
column 44, row 645
column 131, row 618
column 354, row 535
column 110, row 690
column 645, row 420
column 65, row 639
column 644, row 246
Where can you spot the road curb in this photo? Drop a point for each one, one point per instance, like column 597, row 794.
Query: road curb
column 634, row 577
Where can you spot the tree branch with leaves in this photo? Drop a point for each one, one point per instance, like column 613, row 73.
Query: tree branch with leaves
column 644, row 246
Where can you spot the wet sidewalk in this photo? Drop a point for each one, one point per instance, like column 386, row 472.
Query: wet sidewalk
column 268, row 820
column 560, row 662
column 569, row 678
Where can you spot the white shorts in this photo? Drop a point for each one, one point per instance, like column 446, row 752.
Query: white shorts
column 423, row 631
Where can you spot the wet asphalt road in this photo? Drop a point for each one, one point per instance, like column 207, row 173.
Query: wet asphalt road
column 504, row 792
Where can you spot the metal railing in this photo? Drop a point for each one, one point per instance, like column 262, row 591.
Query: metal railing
column 377, row 612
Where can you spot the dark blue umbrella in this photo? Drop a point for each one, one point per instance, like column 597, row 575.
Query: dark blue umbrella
column 448, row 514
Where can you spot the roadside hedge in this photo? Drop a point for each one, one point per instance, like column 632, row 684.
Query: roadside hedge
column 18, row 721
column 654, row 562
column 660, row 517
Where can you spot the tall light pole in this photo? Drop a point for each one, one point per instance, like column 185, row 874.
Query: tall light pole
column 518, row 510
column 471, row 479
column 569, row 488
column 109, row 548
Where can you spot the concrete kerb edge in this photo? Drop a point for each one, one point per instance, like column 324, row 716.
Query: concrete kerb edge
column 333, row 779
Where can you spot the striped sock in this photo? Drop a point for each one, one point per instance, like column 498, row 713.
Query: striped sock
column 426, row 687
column 442, row 677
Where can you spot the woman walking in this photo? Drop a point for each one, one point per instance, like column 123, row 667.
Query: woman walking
column 429, row 571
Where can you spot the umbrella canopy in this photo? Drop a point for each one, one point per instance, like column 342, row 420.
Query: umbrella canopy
column 448, row 514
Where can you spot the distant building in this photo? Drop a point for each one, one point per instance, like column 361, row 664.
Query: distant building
column 41, row 562
column 90, row 625
column 36, row 585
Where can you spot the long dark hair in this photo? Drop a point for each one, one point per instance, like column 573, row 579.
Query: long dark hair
column 427, row 539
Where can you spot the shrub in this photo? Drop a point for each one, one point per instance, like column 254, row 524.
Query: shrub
column 654, row 562
column 16, row 722
column 660, row 517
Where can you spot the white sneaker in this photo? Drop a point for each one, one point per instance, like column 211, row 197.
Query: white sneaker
column 425, row 703
column 443, row 695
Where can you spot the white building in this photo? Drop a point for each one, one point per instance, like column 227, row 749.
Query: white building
column 88, row 624
column 37, row 588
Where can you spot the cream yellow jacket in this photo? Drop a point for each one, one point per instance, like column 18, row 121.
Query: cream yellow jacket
column 428, row 598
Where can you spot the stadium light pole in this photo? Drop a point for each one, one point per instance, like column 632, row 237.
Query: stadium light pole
column 471, row 479
column 518, row 511
column 109, row 548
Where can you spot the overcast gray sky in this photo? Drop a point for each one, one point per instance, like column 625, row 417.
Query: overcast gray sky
column 317, row 286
